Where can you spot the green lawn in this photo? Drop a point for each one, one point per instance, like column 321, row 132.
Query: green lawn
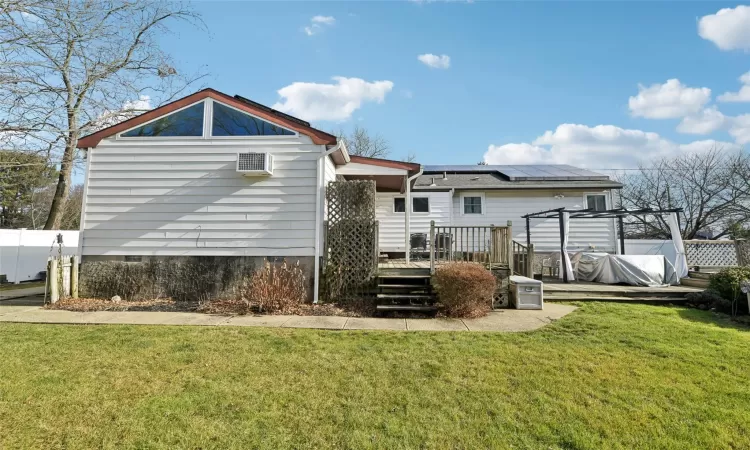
column 607, row 376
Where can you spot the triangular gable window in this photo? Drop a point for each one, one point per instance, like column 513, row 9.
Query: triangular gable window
column 231, row 122
column 186, row 122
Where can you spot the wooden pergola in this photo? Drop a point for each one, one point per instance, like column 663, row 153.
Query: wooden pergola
column 617, row 213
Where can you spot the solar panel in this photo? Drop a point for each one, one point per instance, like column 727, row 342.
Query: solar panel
column 530, row 172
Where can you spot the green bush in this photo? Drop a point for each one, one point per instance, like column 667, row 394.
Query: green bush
column 465, row 289
column 726, row 283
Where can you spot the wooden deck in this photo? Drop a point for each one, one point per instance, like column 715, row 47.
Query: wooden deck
column 402, row 264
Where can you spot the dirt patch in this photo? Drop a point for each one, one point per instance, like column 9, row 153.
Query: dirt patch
column 358, row 308
column 97, row 304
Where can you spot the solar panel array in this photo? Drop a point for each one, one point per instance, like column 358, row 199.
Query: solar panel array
column 537, row 172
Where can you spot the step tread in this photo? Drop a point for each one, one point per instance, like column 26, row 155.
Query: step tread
column 401, row 296
column 619, row 299
column 408, row 286
column 405, row 308
column 385, row 275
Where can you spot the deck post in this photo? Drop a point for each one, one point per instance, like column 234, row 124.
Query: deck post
column 562, row 246
column 432, row 246
column 509, row 244
column 528, row 231
column 622, row 234
column 530, row 261
column 407, row 219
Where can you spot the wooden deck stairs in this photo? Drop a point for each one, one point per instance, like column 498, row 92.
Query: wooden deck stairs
column 697, row 279
column 583, row 291
column 405, row 289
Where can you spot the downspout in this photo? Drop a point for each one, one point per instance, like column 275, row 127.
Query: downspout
column 408, row 212
column 319, row 218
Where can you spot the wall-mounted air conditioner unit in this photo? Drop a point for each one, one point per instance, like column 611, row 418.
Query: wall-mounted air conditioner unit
column 251, row 164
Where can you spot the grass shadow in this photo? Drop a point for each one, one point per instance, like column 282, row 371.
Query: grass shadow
column 713, row 318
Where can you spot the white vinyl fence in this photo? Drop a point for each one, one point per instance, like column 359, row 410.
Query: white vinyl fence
column 24, row 253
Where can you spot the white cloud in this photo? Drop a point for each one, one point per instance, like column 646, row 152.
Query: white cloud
column 318, row 24
column 740, row 129
column 743, row 95
column 599, row 147
column 435, row 61
column 129, row 109
column 705, row 122
column 319, row 101
column 327, row 20
column 729, row 28
column 669, row 100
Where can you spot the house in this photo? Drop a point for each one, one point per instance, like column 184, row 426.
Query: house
column 216, row 175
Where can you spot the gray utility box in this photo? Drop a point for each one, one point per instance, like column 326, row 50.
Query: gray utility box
column 526, row 293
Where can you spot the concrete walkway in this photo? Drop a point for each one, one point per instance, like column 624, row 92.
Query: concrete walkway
column 504, row 320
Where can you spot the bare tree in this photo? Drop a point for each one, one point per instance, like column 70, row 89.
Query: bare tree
column 410, row 157
column 70, row 67
column 361, row 143
column 712, row 188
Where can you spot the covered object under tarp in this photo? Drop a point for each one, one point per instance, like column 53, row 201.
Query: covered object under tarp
column 635, row 270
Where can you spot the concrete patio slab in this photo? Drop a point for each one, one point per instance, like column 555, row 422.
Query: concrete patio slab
column 435, row 325
column 323, row 322
column 256, row 321
column 372, row 323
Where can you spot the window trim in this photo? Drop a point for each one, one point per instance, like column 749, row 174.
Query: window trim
column 206, row 112
column 393, row 205
column 429, row 207
column 586, row 196
column 210, row 126
column 473, row 194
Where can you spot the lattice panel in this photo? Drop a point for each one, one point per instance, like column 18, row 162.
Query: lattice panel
column 351, row 238
column 501, row 299
column 711, row 253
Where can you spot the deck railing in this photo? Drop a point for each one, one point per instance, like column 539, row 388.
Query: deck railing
column 489, row 245
column 523, row 259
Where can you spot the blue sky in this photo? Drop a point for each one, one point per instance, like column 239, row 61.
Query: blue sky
column 526, row 82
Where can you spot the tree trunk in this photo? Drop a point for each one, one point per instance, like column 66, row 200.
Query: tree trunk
column 63, row 187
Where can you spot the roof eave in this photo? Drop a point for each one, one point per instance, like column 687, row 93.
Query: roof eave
column 92, row 140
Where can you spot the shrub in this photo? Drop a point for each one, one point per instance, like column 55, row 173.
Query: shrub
column 727, row 283
column 704, row 299
column 277, row 287
column 464, row 289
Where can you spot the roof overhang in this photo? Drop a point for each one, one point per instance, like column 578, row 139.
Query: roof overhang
column 388, row 175
column 318, row 137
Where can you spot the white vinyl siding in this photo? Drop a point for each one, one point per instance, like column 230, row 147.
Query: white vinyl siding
column 501, row 206
column 178, row 197
column 392, row 223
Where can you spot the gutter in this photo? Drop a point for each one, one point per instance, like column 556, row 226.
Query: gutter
column 319, row 211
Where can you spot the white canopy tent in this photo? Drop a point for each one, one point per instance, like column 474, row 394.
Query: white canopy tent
column 565, row 215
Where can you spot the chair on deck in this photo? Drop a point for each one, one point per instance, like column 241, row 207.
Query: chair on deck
column 417, row 245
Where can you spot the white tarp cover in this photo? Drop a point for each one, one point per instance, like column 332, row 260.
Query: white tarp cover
column 636, row 270
column 681, row 260
column 567, row 266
